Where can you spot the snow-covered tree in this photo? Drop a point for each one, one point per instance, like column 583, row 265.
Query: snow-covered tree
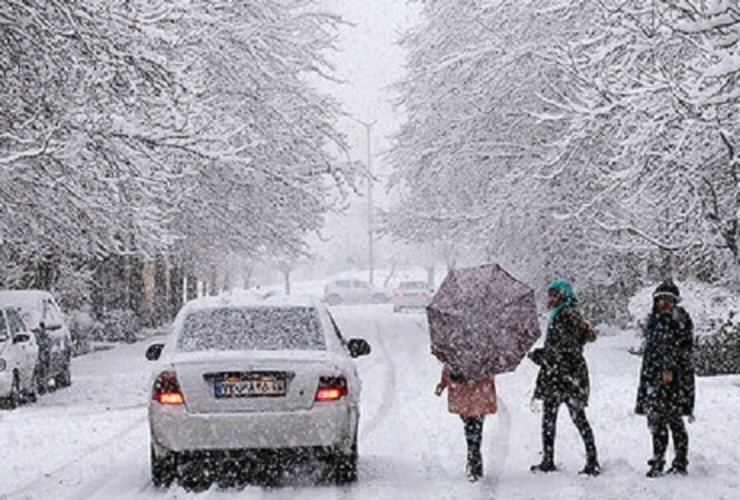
column 74, row 184
column 651, row 112
column 256, row 179
column 179, row 127
column 465, row 158
column 573, row 138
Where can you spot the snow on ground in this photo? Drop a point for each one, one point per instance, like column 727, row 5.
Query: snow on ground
column 91, row 440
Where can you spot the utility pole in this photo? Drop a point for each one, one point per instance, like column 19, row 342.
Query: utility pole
column 368, row 129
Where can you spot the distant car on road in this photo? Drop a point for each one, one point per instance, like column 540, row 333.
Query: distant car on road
column 18, row 355
column 411, row 295
column 353, row 291
column 245, row 385
column 44, row 318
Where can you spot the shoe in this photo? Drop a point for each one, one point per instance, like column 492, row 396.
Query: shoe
column 656, row 467
column 474, row 470
column 592, row 468
column 544, row 466
column 678, row 468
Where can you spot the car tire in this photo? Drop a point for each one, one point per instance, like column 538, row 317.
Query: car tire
column 163, row 469
column 12, row 400
column 344, row 465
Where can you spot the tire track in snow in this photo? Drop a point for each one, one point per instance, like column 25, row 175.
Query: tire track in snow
column 389, row 388
column 54, row 476
column 501, row 441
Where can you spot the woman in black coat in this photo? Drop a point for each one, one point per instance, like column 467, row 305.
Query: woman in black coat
column 563, row 376
column 666, row 390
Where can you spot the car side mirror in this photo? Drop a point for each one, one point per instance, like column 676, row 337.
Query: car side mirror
column 154, row 351
column 21, row 338
column 358, row 347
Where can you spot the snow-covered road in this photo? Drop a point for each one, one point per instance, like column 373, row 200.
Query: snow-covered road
column 91, row 440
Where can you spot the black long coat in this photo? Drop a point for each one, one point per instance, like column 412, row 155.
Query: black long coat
column 563, row 371
column 669, row 343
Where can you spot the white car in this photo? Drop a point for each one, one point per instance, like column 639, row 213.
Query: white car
column 18, row 355
column 411, row 295
column 244, row 385
column 353, row 291
column 44, row 318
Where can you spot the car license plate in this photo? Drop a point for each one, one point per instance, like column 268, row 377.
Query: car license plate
column 249, row 385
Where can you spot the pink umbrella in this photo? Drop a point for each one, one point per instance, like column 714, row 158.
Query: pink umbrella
column 482, row 321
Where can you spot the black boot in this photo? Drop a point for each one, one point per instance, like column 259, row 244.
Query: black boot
column 547, row 465
column 679, row 466
column 656, row 467
column 474, row 469
column 592, row 467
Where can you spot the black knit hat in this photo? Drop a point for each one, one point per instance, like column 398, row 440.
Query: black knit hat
column 667, row 289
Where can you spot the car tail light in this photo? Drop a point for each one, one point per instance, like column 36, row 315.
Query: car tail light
column 331, row 388
column 166, row 389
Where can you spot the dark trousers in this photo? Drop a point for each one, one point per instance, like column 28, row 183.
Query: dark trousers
column 473, row 436
column 659, row 423
column 549, row 424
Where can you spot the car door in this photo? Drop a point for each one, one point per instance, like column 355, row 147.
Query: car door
column 54, row 323
column 6, row 341
column 361, row 291
column 10, row 351
column 24, row 343
column 345, row 290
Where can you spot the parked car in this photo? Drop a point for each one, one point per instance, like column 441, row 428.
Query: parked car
column 44, row 318
column 18, row 355
column 411, row 295
column 243, row 386
column 353, row 291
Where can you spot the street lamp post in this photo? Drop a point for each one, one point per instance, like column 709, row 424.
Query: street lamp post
column 368, row 128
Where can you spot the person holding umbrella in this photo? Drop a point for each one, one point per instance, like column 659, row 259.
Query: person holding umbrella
column 472, row 400
column 482, row 322
column 563, row 375
column 666, row 390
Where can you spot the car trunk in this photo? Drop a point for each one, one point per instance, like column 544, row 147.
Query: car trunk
column 257, row 382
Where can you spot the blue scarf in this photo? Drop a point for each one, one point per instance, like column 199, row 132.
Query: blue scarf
column 564, row 288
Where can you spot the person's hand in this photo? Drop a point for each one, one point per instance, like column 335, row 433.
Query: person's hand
column 439, row 389
column 536, row 356
column 691, row 419
column 667, row 378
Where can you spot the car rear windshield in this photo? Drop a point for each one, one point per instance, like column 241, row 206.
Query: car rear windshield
column 247, row 329
column 412, row 285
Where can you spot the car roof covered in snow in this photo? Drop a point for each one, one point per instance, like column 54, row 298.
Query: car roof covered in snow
column 21, row 298
column 252, row 299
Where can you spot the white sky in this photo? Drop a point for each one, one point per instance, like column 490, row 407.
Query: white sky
column 370, row 61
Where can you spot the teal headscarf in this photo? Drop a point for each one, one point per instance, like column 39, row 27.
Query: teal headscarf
column 564, row 288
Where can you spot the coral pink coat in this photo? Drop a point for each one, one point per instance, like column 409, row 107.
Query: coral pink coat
column 470, row 398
